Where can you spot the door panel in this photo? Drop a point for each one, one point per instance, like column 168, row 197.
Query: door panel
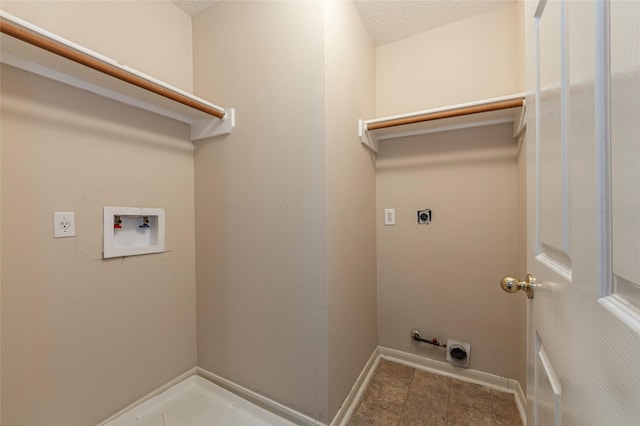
column 553, row 233
column 625, row 149
column 549, row 390
column 583, row 210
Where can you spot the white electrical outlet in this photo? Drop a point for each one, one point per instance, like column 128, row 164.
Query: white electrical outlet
column 389, row 216
column 64, row 224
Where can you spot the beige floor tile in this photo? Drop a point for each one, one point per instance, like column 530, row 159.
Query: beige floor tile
column 407, row 422
column 403, row 396
column 469, row 404
column 371, row 415
column 458, row 416
column 508, row 422
column 386, row 395
column 470, row 422
column 394, row 373
column 425, row 409
column 426, row 383
column 505, row 409
column 470, row 394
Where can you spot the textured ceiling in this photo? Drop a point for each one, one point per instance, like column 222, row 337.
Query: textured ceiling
column 193, row 7
column 391, row 20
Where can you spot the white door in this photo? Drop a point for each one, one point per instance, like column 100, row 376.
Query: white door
column 583, row 220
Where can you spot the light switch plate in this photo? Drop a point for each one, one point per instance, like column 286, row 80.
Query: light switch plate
column 64, row 224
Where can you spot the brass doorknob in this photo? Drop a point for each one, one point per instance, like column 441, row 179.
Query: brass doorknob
column 511, row 285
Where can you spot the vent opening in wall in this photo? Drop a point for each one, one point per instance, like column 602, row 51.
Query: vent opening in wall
column 458, row 353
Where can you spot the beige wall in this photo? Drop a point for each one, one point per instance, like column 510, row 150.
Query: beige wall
column 469, row 60
column 350, row 95
column 286, row 253
column 425, row 273
column 130, row 32
column 83, row 337
column 260, row 201
column 521, row 18
column 442, row 278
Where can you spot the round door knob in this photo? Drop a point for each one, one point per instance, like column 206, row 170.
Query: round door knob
column 509, row 284
column 512, row 285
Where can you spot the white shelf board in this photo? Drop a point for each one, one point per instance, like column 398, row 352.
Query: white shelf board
column 30, row 58
column 371, row 138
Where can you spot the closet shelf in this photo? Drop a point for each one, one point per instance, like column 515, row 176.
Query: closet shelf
column 36, row 50
column 506, row 109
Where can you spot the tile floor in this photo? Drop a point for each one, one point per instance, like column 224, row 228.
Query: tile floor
column 398, row 395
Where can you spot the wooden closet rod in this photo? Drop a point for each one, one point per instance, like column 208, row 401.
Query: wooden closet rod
column 494, row 106
column 81, row 58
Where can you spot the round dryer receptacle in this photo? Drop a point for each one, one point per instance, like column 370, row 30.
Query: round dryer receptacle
column 458, row 352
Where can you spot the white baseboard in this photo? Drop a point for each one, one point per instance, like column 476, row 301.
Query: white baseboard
column 351, row 402
column 152, row 394
column 247, row 394
column 353, row 398
column 439, row 367
column 521, row 402
column 260, row 400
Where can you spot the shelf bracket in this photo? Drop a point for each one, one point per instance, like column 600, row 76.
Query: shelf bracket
column 522, row 122
column 366, row 138
column 210, row 127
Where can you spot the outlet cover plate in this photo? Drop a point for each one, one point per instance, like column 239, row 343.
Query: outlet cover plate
column 389, row 216
column 64, row 224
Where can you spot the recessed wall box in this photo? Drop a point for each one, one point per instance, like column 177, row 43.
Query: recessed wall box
column 130, row 231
